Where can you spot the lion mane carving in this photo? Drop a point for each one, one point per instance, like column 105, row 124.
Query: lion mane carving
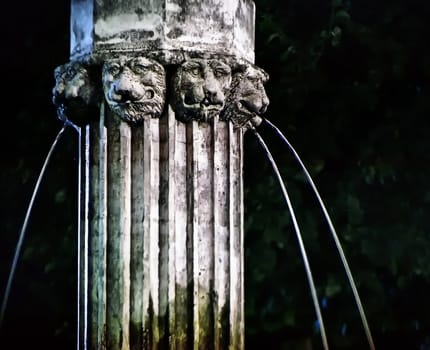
column 134, row 88
column 199, row 88
column 75, row 93
column 247, row 99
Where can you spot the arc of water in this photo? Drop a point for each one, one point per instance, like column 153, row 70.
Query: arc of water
column 299, row 238
column 26, row 219
column 61, row 114
column 334, row 235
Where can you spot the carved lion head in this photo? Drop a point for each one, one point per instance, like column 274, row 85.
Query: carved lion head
column 75, row 92
column 247, row 99
column 134, row 88
column 199, row 89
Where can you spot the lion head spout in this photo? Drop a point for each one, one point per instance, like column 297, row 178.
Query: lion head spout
column 199, row 88
column 75, row 92
column 247, row 99
column 134, row 88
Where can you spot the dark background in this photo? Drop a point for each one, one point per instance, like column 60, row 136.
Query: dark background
column 349, row 87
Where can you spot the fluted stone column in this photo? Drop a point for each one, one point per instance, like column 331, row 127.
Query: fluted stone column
column 163, row 92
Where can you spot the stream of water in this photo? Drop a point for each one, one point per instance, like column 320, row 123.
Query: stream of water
column 309, row 275
column 23, row 230
column 329, row 222
column 299, row 238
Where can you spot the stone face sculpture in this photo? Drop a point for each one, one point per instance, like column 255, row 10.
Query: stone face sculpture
column 134, row 88
column 75, row 92
column 247, row 99
column 199, row 88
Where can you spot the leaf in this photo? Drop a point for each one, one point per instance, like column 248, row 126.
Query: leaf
column 273, row 37
column 61, row 196
column 332, row 288
column 49, row 267
column 289, row 318
column 355, row 213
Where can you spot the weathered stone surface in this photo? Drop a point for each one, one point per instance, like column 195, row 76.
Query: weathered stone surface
column 217, row 27
column 162, row 226
column 118, row 240
column 247, row 99
column 134, row 88
column 81, row 28
column 76, row 93
column 163, row 206
column 94, row 235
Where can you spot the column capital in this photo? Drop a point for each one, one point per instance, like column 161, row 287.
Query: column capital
column 135, row 88
column 164, row 28
column 200, row 53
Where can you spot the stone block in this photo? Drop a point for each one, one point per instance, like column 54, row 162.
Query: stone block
column 192, row 27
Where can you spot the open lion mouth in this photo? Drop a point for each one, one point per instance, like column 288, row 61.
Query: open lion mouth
column 129, row 103
column 255, row 109
column 202, row 110
column 204, row 104
column 241, row 117
column 243, row 109
column 61, row 99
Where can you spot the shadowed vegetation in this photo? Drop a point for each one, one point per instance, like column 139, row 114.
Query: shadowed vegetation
column 349, row 86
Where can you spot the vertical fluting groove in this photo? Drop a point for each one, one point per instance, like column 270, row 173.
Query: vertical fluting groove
column 190, row 234
column 82, row 253
column 221, row 235
column 166, row 199
column 181, row 235
column 137, row 233
column 102, row 232
column 167, row 154
column 89, row 143
column 93, row 205
column 233, row 266
column 151, row 233
column 156, row 258
column 190, row 228
column 93, row 237
column 165, row 228
column 241, row 251
column 170, row 207
column 236, row 239
column 146, row 314
column 194, row 224
column 203, row 235
column 118, row 240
